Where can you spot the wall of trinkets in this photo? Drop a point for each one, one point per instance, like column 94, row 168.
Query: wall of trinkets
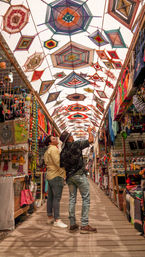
column 40, row 128
column 127, row 162
column 24, row 126
column 126, row 138
column 123, row 162
column 15, row 104
column 14, row 133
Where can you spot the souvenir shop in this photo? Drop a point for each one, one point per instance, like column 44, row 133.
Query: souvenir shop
column 24, row 125
column 32, row 76
column 120, row 157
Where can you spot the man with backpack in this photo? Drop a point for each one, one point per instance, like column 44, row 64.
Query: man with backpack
column 71, row 159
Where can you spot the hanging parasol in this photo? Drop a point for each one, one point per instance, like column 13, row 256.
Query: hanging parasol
column 52, row 97
column 45, row 86
column 68, row 17
column 115, row 38
column 123, row 10
column 109, row 84
column 59, row 75
column 113, row 54
column 97, row 66
column 33, row 62
column 98, row 39
column 72, row 56
column 108, row 64
column 37, row 74
column 77, row 107
column 102, row 54
column 76, row 97
column 77, row 115
column 101, row 94
column 96, row 77
column 117, row 64
column 73, row 80
column 24, row 43
column 15, row 19
column 50, row 44
column 110, row 74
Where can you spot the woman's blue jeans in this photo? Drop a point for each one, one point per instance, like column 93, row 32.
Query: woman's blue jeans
column 55, row 187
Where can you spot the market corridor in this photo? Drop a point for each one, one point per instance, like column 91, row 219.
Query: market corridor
column 116, row 237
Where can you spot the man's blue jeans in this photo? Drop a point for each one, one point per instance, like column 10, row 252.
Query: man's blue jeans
column 79, row 182
column 55, row 187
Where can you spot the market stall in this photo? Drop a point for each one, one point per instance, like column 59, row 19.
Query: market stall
column 122, row 134
column 24, row 125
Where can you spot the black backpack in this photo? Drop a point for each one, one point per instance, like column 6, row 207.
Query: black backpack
column 71, row 158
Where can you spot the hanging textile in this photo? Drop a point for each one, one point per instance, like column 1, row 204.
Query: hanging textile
column 41, row 119
column 110, row 127
column 115, row 125
column 6, row 203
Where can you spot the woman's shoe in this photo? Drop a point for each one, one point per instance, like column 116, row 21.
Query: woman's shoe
column 59, row 224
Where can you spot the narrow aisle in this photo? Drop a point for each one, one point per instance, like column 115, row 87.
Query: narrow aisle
column 116, row 237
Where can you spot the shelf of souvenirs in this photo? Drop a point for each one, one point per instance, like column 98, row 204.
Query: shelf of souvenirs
column 121, row 189
column 13, row 150
column 120, row 154
column 131, row 164
column 15, row 177
column 118, row 175
column 112, row 189
column 139, row 172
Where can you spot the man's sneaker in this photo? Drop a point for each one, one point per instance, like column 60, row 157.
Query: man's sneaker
column 59, row 224
column 50, row 220
column 74, row 228
column 87, row 230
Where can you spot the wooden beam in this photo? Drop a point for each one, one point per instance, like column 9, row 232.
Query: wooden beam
column 42, row 130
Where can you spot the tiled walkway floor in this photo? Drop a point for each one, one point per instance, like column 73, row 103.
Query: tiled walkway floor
column 116, row 237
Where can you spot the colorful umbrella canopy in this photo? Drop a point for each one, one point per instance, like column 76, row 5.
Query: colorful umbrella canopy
column 77, row 116
column 77, row 107
column 115, row 38
column 71, row 51
column 50, row 44
column 68, row 17
column 73, row 80
column 45, row 86
column 123, row 11
column 33, row 62
column 72, row 55
column 15, row 19
column 24, row 43
column 98, row 38
column 76, row 97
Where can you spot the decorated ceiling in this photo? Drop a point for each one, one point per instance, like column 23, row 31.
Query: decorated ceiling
column 72, row 52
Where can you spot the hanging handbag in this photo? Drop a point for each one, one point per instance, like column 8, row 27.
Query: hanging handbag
column 26, row 195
